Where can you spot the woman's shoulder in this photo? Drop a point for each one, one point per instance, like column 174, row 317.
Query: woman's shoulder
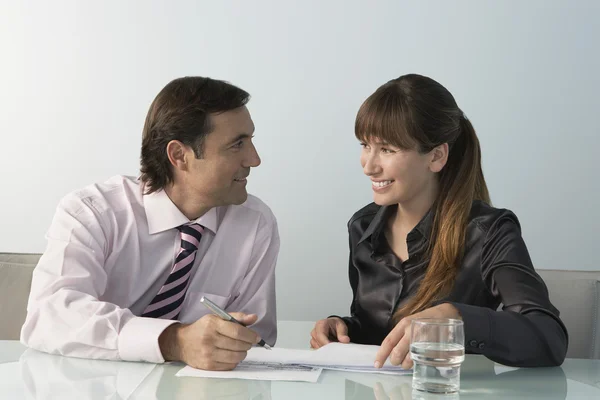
column 365, row 214
column 486, row 217
column 364, row 222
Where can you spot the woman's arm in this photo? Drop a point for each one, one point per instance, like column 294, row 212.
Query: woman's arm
column 528, row 332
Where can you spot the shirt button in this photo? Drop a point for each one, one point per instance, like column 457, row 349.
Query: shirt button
column 481, row 346
column 473, row 343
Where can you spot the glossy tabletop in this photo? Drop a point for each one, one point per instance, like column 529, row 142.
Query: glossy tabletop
column 28, row 374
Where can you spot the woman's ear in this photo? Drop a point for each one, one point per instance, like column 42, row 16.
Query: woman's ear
column 439, row 158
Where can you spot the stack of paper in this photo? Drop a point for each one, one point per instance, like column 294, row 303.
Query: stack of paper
column 303, row 365
column 338, row 356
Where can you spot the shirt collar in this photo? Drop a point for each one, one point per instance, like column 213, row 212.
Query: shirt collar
column 377, row 225
column 162, row 214
column 425, row 226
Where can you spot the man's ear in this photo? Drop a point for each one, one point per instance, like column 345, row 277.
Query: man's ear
column 176, row 151
column 439, row 158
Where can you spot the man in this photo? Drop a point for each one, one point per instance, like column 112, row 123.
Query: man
column 128, row 260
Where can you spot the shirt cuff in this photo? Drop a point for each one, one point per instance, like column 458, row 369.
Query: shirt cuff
column 477, row 326
column 138, row 339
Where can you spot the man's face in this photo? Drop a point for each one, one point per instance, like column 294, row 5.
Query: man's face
column 219, row 177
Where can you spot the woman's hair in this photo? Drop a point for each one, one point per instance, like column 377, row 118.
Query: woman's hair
column 414, row 112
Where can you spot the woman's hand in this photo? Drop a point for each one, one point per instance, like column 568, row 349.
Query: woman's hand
column 396, row 344
column 329, row 330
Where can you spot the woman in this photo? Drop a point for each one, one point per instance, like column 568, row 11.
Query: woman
column 431, row 244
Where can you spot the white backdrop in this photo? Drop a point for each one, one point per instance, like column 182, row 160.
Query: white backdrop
column 77, row 77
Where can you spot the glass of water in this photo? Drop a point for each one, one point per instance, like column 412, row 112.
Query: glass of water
column 437, row 348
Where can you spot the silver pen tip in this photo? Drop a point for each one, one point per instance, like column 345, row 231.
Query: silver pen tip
column 266, row 346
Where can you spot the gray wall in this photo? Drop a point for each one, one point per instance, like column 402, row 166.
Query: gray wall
column 77, row 78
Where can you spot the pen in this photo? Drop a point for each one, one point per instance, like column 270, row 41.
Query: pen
column 223, row 314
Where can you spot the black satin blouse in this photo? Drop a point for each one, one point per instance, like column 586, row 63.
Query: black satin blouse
column 496, row 269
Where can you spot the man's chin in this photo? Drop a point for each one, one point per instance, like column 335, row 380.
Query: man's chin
column 239, row 200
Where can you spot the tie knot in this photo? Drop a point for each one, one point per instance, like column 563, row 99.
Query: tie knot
column 191, row 235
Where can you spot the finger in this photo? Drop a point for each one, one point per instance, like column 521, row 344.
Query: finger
column 237, row 332
column 408, row 362
column 342, row 332
column 313, row 334
column 227, row 343
column 322, row 332
column 388, row 344
column 246, row 319
column 400, row 351
column 215, row 366
column 227, row 356
column 314, row 344
column 344, row 339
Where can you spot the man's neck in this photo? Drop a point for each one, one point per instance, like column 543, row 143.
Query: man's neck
column 192, row 208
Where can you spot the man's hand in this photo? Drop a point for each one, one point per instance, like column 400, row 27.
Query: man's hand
column 397, row 342
column 210, row 343
column 329, row 330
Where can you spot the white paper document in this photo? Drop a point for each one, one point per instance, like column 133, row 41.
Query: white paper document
column 302, row 365
column 258, row 372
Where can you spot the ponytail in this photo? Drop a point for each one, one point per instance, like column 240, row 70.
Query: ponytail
column 461, row 182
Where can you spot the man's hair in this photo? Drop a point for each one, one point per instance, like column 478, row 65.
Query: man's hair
column 181, row 111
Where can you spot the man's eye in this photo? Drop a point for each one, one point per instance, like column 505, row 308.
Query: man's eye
column 238, row 145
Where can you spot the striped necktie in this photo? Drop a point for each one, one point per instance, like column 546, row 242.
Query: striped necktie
column 169, row 300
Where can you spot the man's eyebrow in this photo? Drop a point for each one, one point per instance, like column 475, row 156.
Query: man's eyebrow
column 240, row 137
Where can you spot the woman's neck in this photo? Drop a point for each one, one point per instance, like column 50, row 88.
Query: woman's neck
column 410, row 213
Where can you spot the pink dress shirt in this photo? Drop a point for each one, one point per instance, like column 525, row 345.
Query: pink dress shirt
column 111, row 248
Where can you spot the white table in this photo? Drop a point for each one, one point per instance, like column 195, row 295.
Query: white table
column 28, row 374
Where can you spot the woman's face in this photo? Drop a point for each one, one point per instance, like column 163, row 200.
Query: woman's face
column 398, row 176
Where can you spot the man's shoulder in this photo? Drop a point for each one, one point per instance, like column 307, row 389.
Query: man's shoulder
column 113, row 194
column 254, row 212
column 247, row 220
column 258, row 207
